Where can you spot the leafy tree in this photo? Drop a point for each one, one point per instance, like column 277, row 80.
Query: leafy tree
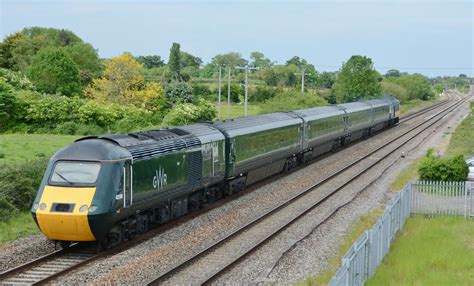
column 149, row 62
column 151, row 97
column 396, row 90
column 462, row 75
column 280, row 75
column 417, row 86
column 174, row 62
column 121, row 76
column 179, row 92
column 231, row 59
column 236, row 92
column 259, row 60
column 392, row 73
column 53, row 71
column 357, row 80
column 19, row 49
column 326, row 79
column 188, row 60
column 86, row 59
column 311, row 74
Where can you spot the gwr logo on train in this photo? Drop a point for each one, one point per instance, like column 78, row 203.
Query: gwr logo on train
column 160, row 179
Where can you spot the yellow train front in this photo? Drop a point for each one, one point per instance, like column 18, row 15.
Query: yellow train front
column 77, row 197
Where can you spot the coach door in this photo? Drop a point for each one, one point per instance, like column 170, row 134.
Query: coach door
column 127, row 183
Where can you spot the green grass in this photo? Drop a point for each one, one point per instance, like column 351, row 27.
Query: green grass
column 405, row 176
column 238, row 110
column 414, row 104
column 20, row 147
column 462, row 140
column 366, row 221
column 430, row 251
column 19, row 226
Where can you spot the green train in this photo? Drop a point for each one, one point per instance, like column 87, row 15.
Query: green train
column 111, row 187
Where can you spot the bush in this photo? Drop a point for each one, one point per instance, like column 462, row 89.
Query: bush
column 20, row 182
column 262, row 93
column 187, row 113
column 16, row 79
column 291, row 100
column 52, row 110
column 443, row 169
column 179, row 92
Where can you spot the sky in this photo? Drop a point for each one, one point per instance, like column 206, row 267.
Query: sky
column 430, row 37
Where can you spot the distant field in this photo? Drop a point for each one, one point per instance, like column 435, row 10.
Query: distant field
column 21, row 147
column 430, row 251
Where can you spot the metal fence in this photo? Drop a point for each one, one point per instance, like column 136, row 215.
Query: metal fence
column 442, row 198
column 428, row 198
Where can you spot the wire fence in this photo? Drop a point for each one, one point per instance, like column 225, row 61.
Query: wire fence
column 426, row 198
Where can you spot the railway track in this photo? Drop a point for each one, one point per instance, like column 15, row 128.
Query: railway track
column 48, row 267
column 211, row 262
column 61, row 262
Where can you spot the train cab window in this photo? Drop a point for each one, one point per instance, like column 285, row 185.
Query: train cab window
column 75, row 173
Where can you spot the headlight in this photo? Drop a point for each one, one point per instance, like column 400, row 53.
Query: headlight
column 42, row 206
column 83, row 208
column 92, row 208
column 35, row 206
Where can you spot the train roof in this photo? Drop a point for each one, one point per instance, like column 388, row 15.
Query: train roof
column 246, row 125
column 205, row 132
column 148, row 144
column 92, row 150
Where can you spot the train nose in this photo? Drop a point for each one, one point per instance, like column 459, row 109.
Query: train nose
column 62, row 213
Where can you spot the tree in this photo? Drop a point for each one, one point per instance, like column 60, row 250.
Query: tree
column 149, row 62
column 259, row 60
column 86, row 59
column 311, row 74
column 357, row 80
column 121, row 75
column 280, row 75
column 188, row 60
column 20, row 48
column 174, row 62
column 416, row 85
column 52, row 71
column 326, row 79
column 179, row 92
column 462, row 75
column 392, row 73
column 231, row 59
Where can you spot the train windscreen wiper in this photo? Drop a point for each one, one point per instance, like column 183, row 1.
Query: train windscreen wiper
column 62, row 177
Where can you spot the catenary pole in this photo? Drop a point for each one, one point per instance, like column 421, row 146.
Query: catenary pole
column 228, row 92
column 219, row 97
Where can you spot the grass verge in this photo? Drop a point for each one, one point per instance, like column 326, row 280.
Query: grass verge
column 415, row 104
column 405, row 176
column 20, row 225
column 20, row 147
column 462, row 140
column 430, row 251
column 366, row 221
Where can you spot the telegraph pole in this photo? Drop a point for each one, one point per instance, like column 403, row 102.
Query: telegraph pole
column 219, row 97
column 228, row 92
column 246, row 68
